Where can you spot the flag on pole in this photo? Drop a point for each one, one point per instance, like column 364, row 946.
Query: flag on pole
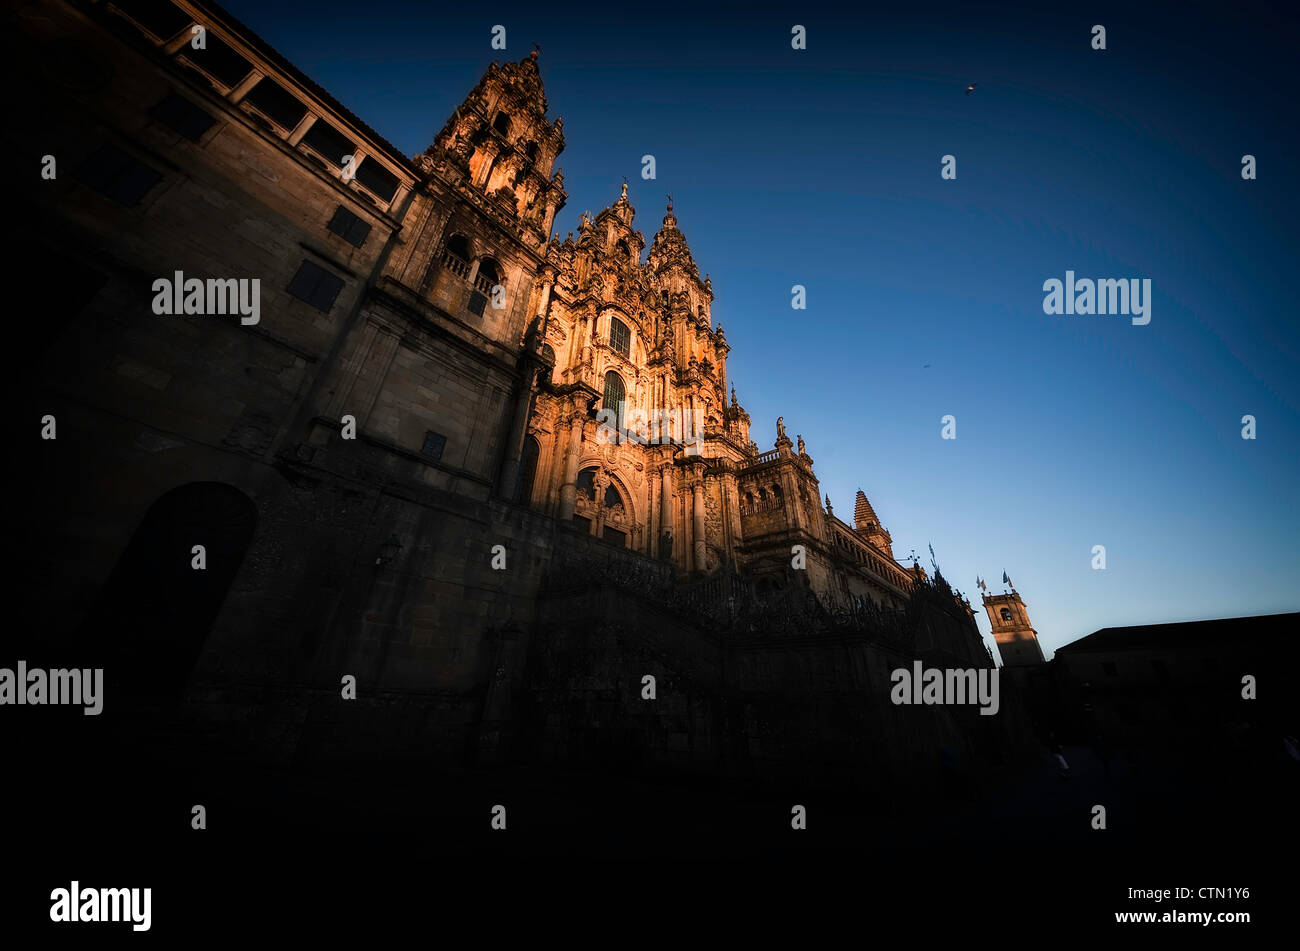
column 1005, row 579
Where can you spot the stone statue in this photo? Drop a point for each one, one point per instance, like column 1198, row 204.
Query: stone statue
column 800, row 438
column 780, row 427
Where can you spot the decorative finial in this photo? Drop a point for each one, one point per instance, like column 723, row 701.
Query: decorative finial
column 623, row 197
column 537, row 48
column 670, row 204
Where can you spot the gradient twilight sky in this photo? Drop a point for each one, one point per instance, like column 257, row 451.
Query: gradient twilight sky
column 821, row 167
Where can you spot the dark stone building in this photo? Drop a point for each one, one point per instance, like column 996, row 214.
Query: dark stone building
column 392, row 464
column 1187, row 685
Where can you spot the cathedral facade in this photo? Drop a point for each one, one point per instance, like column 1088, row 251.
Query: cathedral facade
column 630, row 434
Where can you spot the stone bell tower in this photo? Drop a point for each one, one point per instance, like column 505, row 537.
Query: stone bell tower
column 1016, row 638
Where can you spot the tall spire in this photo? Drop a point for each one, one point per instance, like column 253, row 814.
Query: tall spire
column 669, row 247
column 867, row 524
column 863, row 513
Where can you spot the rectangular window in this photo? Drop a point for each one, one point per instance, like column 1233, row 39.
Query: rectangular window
column 161, row 18
column 378, row 179
column 349, row 227
column 328, row 141
column 620, row 338
column 219, row 60
column 434, row 443
column 119, row 175
column 477, row 302
column 316, row 286
column 178, row 113
column 615, row 536
column 276, row 102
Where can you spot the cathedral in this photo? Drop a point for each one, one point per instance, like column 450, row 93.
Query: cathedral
column 491, row 477
column 633, row 339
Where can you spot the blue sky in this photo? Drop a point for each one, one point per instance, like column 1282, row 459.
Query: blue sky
column 821, row 167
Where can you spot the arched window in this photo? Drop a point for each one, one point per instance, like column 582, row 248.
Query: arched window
column 547, row 374
column 620, row 338
column 615, row 394
column 1006, row 614
column 776, row 491
column 489, row 275
column 502, row 123
column 587, row 483
column 611, row 532
column 458, row 245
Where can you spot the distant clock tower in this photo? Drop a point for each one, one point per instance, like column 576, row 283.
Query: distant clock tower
column 1016, row 638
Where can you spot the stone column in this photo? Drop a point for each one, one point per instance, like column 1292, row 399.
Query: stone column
column 359, row 156
column 545, row 302
column 301, row 129
column 666, row 501
column 600, row 483
column 237, row 94
column 524, row 405
column 730, row 510
column 698, row 527
column 518, row 432
column 569, row 490
column 489, row 163
column 651, row 517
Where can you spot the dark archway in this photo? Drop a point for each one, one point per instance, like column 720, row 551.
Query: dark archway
column 156, row 609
